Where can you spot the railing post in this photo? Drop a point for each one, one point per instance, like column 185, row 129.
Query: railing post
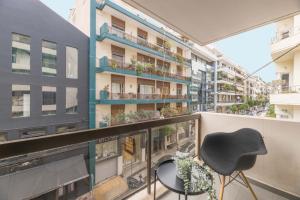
column 199, row 137
column 149, row 145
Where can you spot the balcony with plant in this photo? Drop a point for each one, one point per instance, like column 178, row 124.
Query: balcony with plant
column 135, row 42
column 140, row 69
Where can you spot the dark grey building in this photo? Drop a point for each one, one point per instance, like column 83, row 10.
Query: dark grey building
column 44, row 90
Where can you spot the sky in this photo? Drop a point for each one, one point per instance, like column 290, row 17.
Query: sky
column 251, row 49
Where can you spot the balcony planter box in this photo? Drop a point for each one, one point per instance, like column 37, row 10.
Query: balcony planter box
column 103, row 124
column 103, row 94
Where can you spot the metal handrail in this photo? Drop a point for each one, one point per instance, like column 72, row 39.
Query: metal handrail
column 147, row 70
column 145, row 43
column 25, row 146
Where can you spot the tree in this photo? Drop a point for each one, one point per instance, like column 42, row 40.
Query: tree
column 271, row 111
column 244, row 107
column 234, row 108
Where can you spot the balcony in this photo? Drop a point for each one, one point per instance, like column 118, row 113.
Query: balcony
column 149, row 72
column 271, row 176
column 140, row 44
column 131, row 98
column 285, row 40
column 286, row 96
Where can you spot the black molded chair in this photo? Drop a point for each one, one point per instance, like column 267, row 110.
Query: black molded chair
column 227, row 153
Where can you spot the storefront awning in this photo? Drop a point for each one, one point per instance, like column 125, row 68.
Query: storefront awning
column 36, row 181
column 206, row 21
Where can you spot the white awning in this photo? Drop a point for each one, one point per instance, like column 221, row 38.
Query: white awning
column 207, row 21
column 36, row 181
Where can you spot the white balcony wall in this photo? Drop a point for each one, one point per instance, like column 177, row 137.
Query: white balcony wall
column 101, row 18
column 102, row 49
column 296, row 69
column 280, row 167
column 101, row 112
column 80, row 17
column 131, row 28
column 102, row 80
column 184, row 89
column 129, row 54
column 285, row 99
column 130, row 84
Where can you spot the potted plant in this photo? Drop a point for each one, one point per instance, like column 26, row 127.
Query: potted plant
column 167, row 45
column 133, row 63
column 114, row 64
column 104, row 92
column 139, row 68
column 179, row 58
column 104, row 122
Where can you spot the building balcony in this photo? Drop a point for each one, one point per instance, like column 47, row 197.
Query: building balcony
column 271, row 177
column 148, row 72
column 286, row 96
column 131, row 98
column 120, row 9
column 107, row 32
column 284, row 40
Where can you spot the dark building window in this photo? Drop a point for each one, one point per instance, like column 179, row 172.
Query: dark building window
column 49, row 56
column 36, row 132
column 20, row 100
column 49, row 100
column 20, row 53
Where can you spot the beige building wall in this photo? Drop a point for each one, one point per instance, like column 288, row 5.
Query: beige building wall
column 280, row 167
column 102, row 80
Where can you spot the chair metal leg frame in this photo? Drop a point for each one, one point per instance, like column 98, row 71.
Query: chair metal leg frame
column 244, row 178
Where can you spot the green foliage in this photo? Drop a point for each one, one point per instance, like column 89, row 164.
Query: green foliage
column 168, row 111
column 271, row 111
column 139, row 68
column 195, row 176
column 234, row 108
column 167, row 130
column 243, row 107
column 114, row 64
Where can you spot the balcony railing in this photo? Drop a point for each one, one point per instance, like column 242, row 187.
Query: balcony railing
column 287, row 89
column 143, row 144
column 125, row 38
column 146, row 70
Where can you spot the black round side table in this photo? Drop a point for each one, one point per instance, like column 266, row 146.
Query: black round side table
column 166, row 174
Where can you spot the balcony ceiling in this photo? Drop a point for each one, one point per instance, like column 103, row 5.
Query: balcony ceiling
column 207, row 21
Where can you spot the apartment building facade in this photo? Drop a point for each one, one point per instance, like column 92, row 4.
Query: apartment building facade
column 230, row 84
column 43, row 91
column 202, row 88
column 136, row 67
column 286, row 95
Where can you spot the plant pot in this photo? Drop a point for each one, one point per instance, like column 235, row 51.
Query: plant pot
column 103, row 94
column 103, row 124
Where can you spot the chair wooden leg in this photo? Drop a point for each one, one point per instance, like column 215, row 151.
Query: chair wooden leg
column 222, row 187
column 248, row 184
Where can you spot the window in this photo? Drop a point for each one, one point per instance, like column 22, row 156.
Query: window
column 71, row 62
column 106, row 149
column 71, row 100
column 20, row 100
column 146, row 89
column 49, row 100
column 117, row 23
column 49, row 54
column 20, row 53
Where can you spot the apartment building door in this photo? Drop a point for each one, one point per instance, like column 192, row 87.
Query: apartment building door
column 146, row 88
column 117, row 86
column 285, row 82
column 118, row 55
column 179, row 90
column 118, row 26
column 163, row 89
column 163, row 65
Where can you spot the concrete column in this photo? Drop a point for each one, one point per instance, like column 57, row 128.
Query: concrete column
column 120, row 165
column 296, row 69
